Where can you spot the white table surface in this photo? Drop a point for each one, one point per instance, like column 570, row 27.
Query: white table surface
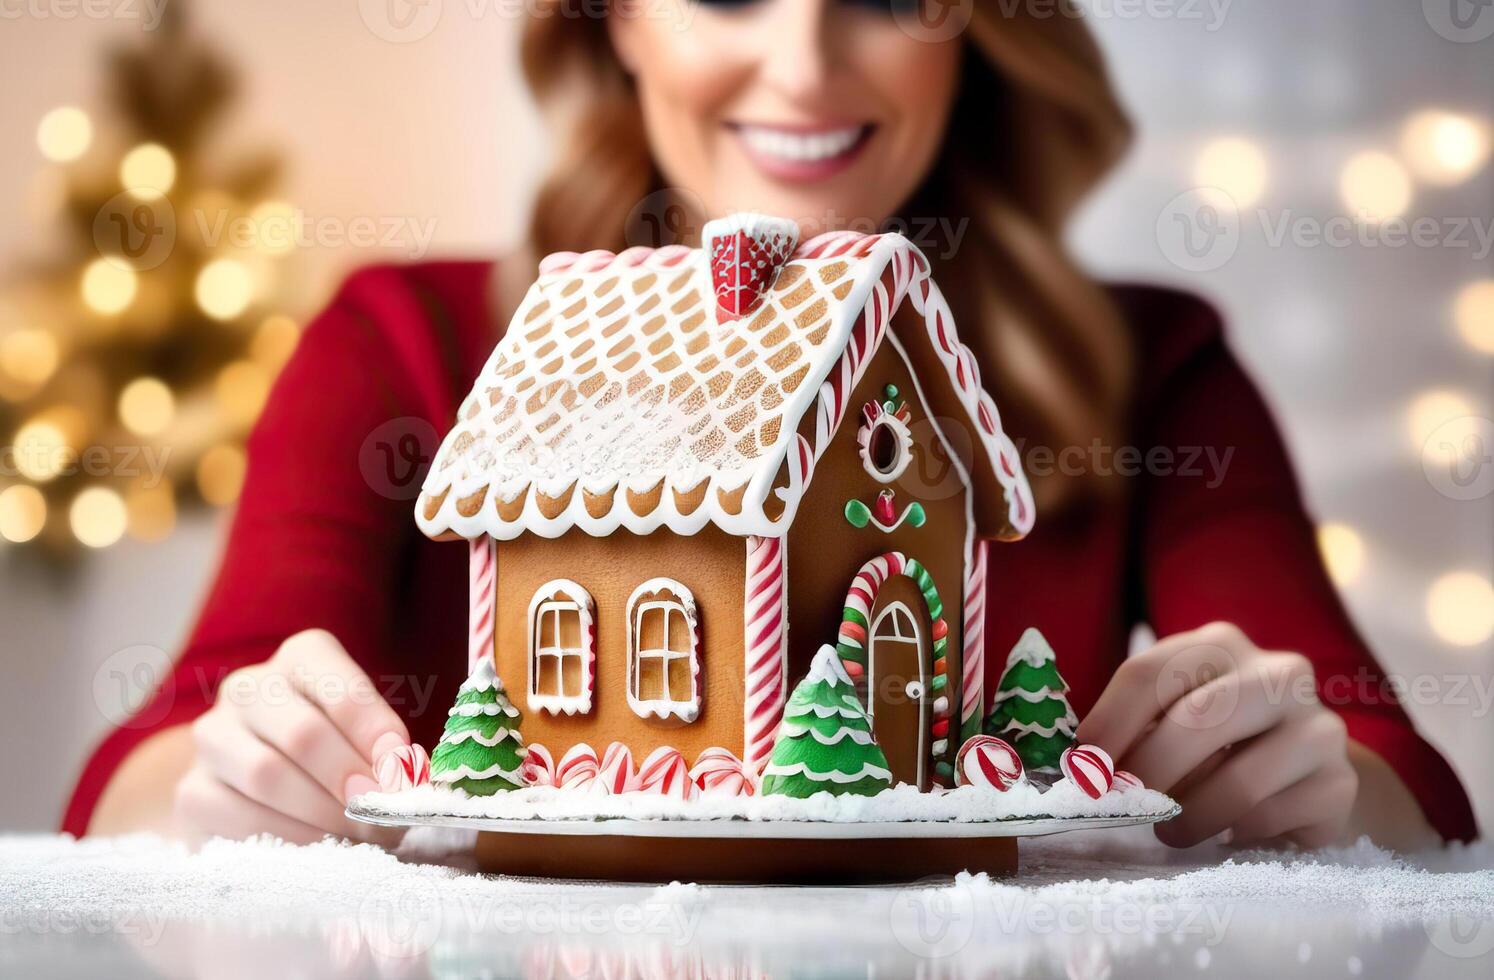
column 1086, row 905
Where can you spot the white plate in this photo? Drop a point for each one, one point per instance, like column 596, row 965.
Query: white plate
column 765, row 829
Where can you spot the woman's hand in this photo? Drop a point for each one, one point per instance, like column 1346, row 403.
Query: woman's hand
column 1235, row 733
column 287, row 744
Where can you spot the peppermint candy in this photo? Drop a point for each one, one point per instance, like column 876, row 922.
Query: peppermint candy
column 985, row 760
column 1088, row 767
column 717, row 771
column 616, row 775
column 538, row 768
column 578, row 768
column 403, row 768
column 1125, row 780
column 746, row 251
column 664, row 773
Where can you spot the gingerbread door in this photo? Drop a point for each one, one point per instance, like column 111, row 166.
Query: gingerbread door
column 898, row 684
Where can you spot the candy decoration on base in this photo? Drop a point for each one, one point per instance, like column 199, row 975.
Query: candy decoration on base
column 718, row 772
column 1089, row 767
column 1126, row 780
column 986, row 760
column 578, row 768
column 539, row 767
column 403, row 768
column 746, row 251
column 481, row 750
column 825, row 743
column 664, row 773
column 616, row 776
column 1031, row 708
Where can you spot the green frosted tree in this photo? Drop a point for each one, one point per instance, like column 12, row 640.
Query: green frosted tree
column 825, row 743
column 1031, row 709
column 481, row 749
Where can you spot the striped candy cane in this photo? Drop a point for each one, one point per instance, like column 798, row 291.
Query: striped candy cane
column 766, row 648
column 973, row 670
column 482, row 580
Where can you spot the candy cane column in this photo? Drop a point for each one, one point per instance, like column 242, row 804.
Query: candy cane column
column 482, row 580
column 973, row 652
column 766, row 648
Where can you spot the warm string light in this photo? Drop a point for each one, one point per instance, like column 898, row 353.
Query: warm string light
column 108, row 287
column 1374, row 186
column 146, row 406
column 1343, row 552
column 23, row 513
column 1473, row 312
column 29, row 357
column 224, row 289
column 1445, row 148
column 64, row 134
column 1235, row 166
column 98, row 517
column 148, row 171
column 1439, row 420
column 1460, row 608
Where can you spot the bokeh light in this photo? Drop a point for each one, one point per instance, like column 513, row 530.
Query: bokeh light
column 1235, row 166
column 274, row 342
column 148, row 171
column 151, row 512
column 1445, row 414
column 1375, row 186
column 1343, row 552
column 1444, row 147
column 108, row 288
column 1460, row 608
column 98, row 517
column 146, row 406
column 64, row 134
column 23, row 513
column 29, row 356
column 224, row 289
column 275, row 227
column 241, row 390
column 220, row 474
column 41, row 450
column 1473, row 312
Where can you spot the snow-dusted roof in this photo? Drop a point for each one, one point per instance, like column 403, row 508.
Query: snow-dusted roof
column 617, row 400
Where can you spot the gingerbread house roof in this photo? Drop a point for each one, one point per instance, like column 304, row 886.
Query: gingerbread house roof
column 617, row 400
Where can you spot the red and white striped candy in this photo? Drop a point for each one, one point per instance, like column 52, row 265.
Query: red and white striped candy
column 1088, row 767
column 539, row 767
column 717, row 771
column 403, row 768
column 578, row 768
column 617, row 775
column 1126, row 780
column 986, row 760
column 664, row 774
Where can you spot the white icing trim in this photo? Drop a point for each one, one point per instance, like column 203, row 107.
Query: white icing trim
column 904, row 445
column 824, row 711
column 683, row 602
column 467, row 772
column 546, row 599
column 473, row 735
column 832, row 776
column 474, row 710
column 922, row 680
column 841, row 734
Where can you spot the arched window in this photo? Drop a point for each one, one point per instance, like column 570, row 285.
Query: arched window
column 562, row 648
column 663, row 651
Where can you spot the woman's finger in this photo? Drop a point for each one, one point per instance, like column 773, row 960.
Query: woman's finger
column 1146, row 685
column 237, row 758
column 323, row 672
column 1229, row 710
column 1255, row 772
column 206, row 807
column 302, row 733
column 1312, row 809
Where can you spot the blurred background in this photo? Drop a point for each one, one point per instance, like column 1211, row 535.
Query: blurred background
column 184, row 183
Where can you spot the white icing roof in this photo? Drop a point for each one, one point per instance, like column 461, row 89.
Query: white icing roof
column 616, row 400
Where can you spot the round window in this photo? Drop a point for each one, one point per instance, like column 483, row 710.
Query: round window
column 886, row 448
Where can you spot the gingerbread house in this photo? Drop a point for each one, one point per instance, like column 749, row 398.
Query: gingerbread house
column 682, row 471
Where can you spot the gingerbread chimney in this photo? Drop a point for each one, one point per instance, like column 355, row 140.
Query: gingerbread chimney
column 746, row 251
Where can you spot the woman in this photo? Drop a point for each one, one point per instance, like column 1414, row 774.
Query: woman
column 329, row 607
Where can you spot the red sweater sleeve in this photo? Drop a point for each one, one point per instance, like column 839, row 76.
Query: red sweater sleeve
column 314, row 542
column 1233, row 542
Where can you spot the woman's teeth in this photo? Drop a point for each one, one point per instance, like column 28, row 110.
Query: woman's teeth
column 801, row 147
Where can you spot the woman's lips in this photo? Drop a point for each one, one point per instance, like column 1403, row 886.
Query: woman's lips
column 800, row 154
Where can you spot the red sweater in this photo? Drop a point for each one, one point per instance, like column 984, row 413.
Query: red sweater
column 324, row 535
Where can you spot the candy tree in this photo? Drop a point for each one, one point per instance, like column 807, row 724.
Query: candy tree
column 1031, row 709
column 825, row 743
column 481, row 750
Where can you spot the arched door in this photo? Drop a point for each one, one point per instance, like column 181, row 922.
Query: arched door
column 898, row 686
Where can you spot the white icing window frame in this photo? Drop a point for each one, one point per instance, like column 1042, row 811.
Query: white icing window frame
column 682, row 604
column 903, row 440
column 555, row 597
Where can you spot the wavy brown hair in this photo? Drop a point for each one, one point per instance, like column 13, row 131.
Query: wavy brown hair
column 1035, row 125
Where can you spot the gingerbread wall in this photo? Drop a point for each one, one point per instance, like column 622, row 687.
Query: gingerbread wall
column 711, row 564
column 825, row 551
